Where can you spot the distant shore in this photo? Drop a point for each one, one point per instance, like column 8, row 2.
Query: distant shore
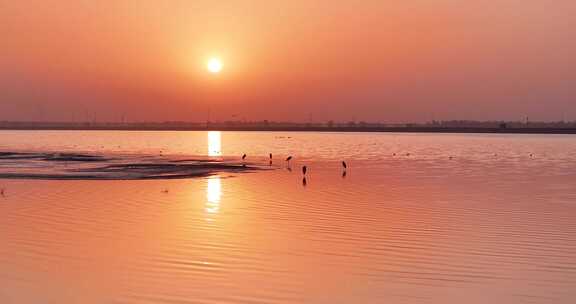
column 290, row 127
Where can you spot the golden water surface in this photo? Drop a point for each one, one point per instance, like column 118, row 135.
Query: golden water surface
column 417, row 218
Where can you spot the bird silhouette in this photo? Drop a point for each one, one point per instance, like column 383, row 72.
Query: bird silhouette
column 270, row 155
column 344, row 165
column 244, row 157
column 288, row 158
column 304, row 170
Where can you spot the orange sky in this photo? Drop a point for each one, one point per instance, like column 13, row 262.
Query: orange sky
column 411, row 60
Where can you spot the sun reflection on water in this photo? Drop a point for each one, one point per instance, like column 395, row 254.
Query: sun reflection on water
column 213, row 194
column 214, row 143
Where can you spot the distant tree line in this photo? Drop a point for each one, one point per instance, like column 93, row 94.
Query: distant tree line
column 438, row 125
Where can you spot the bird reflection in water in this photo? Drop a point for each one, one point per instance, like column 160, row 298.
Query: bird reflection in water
column 213, row 194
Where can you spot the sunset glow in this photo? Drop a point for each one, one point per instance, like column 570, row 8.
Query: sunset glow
column 288, row 151
column 389, row 61
column 214, row 143
column 214, row 65
column 213, row 194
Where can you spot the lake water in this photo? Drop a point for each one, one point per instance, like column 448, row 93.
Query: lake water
column 417, row 218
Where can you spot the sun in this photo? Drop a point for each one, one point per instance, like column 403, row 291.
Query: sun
column 214, row 65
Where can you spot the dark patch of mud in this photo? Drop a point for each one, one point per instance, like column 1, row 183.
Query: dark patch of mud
column 71, row 166
column 64, row 157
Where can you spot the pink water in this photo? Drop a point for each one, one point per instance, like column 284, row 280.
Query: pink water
column 418, row 218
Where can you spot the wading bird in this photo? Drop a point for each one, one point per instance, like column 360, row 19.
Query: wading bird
column 304, row 170
column 344, row 165
column 244, row 157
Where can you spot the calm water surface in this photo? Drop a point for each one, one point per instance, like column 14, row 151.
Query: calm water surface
column 418, row 218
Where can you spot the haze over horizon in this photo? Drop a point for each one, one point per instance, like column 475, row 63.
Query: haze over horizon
column 287, row 60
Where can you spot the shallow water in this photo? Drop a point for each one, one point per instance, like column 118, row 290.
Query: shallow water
column 418, row 218
column 105, row 166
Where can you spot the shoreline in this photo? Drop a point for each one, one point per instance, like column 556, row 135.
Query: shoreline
column 83, row 166
column 356, row 129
